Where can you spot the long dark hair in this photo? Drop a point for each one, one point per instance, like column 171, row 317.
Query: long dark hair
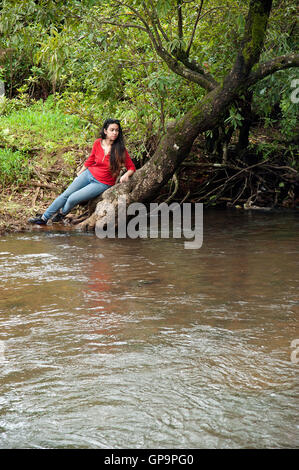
column 117, row 155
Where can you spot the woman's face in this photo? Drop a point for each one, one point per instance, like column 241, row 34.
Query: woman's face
column 112, row 131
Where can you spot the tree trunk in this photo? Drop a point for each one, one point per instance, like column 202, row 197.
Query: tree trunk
column 175, row 146
column 246, row 113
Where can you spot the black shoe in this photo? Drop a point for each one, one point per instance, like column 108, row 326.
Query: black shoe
column 38, row 220
column 58, row 218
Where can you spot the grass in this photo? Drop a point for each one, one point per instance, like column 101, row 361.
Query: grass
column 14, row 166
column 34, row 138
column 42, row 125
column 32, row 134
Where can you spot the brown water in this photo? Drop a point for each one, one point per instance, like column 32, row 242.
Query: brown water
column 144, row 344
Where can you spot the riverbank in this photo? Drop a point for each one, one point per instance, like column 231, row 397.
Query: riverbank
column 21, row 201
column 193, row 182
column 42, row 147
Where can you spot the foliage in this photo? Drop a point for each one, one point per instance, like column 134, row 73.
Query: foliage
column 272, row 96
column 43, row 125
column 234, row 119
column 14, row 166
column 29, row 133
column 98, row 61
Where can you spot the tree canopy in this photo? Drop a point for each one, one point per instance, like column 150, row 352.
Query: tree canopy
column 148, row 61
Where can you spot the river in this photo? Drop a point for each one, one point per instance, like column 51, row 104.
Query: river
column 145, row 344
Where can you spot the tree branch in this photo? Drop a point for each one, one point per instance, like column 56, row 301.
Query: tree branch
column 194, row 28
column 155, row 39
column 252, row 42
column 179, row 64
column 180, row 19
column 199, row 17
column 123, row 25
column 155, row 24
column 157, row 21
column 186, row 72
column 267, row 68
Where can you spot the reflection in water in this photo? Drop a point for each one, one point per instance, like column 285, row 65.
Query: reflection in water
column 143, row 344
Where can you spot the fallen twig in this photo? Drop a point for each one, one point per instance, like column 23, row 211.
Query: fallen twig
column 176, row 187
column 43, row 185
column 35, row 196
column 185, row 197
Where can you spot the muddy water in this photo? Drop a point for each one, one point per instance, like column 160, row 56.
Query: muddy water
column 144, row 344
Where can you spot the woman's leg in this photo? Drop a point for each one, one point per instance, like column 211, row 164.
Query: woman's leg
column 79, row 182
column 90, row 191
column 83, row 188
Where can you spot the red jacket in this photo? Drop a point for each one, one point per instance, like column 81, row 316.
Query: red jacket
column 99, row 164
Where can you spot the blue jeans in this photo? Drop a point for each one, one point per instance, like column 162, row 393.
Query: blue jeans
column 83, row 188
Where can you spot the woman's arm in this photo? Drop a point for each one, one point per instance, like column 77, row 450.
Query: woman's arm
column 91, row 159
column 130, row 169
column 124, row 178
column 81, row 170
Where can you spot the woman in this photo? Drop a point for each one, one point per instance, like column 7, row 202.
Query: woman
column 99, row 172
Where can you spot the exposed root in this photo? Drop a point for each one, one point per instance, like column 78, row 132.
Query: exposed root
column 260, row 186
column 264, row 183
column 185, row 197
column 176, row 187
column 35, row 196
column 87, row 224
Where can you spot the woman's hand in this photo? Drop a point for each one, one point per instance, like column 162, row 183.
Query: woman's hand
column 81, row 170
column 125, row 178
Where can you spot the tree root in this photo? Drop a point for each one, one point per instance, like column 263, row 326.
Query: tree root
column 262, row 183
column 176, row 187
column 87, row 224
column 260, row 186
